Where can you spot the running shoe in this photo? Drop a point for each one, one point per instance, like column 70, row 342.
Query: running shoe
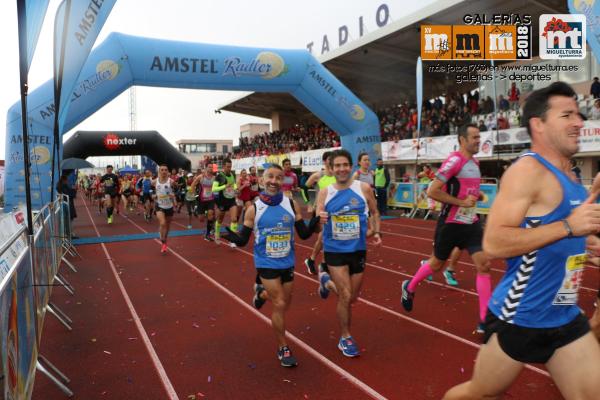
column 310, row 266
column 284, row 355
column 450, row 279
column 232, row 245
column 208, row 238
column 480, row 328
column 257, row 301
column 189, row 227
column 348, row 347
column 163, row 248
column 110, row 219
column 323, row 279
column 407, row 297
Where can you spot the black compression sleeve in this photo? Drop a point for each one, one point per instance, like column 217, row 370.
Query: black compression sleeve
column 303, row 231
column 240, row 239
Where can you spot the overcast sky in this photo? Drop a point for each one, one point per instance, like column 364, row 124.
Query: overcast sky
column 181, row 113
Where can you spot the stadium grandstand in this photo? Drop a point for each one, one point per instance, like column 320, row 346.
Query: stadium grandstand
column 380, row 69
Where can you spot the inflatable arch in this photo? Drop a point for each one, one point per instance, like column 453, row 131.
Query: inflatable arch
column 123, row 60
column 152, row 144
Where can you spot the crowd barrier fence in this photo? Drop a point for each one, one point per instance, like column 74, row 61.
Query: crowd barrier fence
column 29, row 268
column 413, row 197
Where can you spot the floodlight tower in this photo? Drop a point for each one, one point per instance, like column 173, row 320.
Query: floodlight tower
column 132, row 116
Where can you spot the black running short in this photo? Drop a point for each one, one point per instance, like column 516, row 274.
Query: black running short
column 533, row 345
column 354, row 260
column 190, row 205
column 127, row 193
column 224, row 204
column 463, row 236
column 205, row 206
column 146, row 197
column 112, row 193
column 167, row 211
column 286, row 275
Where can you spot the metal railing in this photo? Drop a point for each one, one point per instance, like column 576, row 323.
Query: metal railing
column 29, row 269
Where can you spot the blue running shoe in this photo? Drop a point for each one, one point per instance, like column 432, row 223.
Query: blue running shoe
column 348, row 347
column 407, row 296
column 323, row 279
column 450, row 279
column 285, row 356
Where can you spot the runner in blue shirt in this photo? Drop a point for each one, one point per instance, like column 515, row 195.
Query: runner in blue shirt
column 544, row 223
column 273, row 218
column 344, row 210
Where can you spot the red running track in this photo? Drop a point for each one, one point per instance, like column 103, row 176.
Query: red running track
column 180, row 326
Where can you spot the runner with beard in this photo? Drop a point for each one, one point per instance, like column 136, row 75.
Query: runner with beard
column 273, row 218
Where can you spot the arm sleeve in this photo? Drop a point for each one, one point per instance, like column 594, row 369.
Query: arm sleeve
column 218, row 185
column 240, row 239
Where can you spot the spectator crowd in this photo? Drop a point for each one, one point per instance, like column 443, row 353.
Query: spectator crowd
column 439, row 117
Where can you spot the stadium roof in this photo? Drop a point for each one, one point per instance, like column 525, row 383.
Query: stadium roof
column 380, row 67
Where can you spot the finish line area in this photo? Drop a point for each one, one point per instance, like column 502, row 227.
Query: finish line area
column 181, row 325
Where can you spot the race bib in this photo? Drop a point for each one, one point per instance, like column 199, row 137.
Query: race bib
column 229, row 193
column 207, row 194
column 466, row 215
column 345, row 227
column 164, row 201
column 278, row 245
column 567, row 294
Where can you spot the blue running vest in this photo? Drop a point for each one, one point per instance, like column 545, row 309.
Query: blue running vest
column 346, row 228
column 274, row 235
column 539, row 289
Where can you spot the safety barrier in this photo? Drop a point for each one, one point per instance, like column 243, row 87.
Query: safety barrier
column 29, row 267
column 413, row 197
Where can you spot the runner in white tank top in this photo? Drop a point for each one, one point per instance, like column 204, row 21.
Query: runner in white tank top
column 165, row 200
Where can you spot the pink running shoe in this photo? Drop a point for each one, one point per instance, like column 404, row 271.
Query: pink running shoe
column 163, row 248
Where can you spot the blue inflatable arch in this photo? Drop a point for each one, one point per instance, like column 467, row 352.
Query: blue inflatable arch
column 122, row 61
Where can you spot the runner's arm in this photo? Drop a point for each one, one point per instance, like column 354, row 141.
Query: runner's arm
column 375, row 218
column 302, row 229
column 519, row 190
column 436, row 192
column 243, row 237
column 218, row 186
column 314, row 178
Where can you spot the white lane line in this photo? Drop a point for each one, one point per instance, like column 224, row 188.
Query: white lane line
column 328, row 363
column 407, row 318
column 459, row 262
column 138, row 323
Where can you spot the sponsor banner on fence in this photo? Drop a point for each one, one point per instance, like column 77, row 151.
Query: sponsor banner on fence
column 590, row 137
column 312, row 160
column 433, row 148
column 401, row 194
column 18, row 336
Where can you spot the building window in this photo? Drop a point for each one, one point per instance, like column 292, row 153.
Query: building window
column 225, row 149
